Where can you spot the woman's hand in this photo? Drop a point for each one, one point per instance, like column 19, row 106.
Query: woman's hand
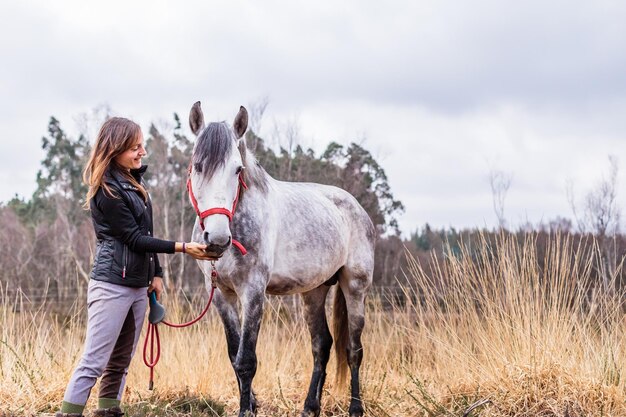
column 197, row 251
column 157, row 285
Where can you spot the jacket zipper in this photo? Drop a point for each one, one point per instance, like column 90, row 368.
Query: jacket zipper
column 124, row 260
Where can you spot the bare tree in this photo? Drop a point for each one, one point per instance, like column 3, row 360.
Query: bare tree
column 88, row 123
column 288, row 136
column 256, row 111
column 164, row 180
column 600, row 216
column 500, row 183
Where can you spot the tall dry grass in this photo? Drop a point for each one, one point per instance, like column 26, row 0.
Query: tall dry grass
column 490, row 325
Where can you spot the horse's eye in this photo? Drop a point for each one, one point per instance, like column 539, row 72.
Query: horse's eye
column 198, row 167
column 239, row 169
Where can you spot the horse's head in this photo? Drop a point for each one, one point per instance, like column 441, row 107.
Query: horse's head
column 215, row 176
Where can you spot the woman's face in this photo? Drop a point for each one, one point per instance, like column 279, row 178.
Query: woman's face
column 131, row 158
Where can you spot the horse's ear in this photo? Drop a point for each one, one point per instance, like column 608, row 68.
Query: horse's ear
column 196, row 118
column 241, row 122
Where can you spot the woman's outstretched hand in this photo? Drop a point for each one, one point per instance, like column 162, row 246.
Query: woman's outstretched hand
column 197, row 251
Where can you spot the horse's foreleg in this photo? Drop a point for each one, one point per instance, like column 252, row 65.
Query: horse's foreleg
column 245, row 361
column 321, row 342
column 226, row 304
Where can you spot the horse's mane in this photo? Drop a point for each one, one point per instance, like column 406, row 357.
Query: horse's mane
column 213, row 147
column 254, row 174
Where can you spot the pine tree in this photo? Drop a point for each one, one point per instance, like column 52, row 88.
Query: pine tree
column 59, row 181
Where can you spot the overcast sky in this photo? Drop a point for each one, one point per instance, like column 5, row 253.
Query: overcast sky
column 441, row 92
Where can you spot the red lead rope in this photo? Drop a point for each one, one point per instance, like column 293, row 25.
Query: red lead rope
column 153, row 333
column 153, row 330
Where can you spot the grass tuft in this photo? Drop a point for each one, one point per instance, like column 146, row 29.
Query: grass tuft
column 176, row 404
column 494, row 332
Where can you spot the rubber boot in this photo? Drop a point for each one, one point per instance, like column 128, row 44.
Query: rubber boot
column 60, row 414
column 108, row 412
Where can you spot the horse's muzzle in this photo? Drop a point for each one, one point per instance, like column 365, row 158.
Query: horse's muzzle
column 215, row 250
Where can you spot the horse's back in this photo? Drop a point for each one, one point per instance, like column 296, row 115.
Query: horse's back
column 319, row 205
column 319, row 229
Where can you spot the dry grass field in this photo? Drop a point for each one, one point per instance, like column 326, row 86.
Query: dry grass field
column 492, row 325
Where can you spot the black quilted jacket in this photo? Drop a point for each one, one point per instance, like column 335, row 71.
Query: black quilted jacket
column 125, row 250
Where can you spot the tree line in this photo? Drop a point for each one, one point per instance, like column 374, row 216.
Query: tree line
column 47, row 244
column 48, row 239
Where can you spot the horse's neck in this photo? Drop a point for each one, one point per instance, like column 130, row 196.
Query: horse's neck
column 256, row 177
column 258, row 184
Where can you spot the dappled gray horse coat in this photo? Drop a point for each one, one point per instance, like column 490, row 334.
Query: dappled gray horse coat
column 299, row 237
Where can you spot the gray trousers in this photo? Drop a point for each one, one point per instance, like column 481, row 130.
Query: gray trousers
column 115, row 318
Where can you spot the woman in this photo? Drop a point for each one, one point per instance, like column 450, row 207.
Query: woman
column 125, row 265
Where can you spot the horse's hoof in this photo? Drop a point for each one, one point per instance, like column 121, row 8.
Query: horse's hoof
column 311, row 408
column 356, row 411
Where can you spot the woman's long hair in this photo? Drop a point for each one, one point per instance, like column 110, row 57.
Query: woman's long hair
column 116, row 136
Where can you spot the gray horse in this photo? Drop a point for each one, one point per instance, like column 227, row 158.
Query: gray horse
column 299, row 237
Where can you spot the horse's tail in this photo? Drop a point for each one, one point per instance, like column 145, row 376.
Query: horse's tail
column 340, row 330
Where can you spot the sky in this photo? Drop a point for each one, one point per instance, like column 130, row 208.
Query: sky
column 442, row 93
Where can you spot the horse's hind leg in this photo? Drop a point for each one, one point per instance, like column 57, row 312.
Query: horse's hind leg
column 321, row 342
column 353, row 286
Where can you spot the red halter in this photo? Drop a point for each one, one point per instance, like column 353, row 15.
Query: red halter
column 217, row 210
